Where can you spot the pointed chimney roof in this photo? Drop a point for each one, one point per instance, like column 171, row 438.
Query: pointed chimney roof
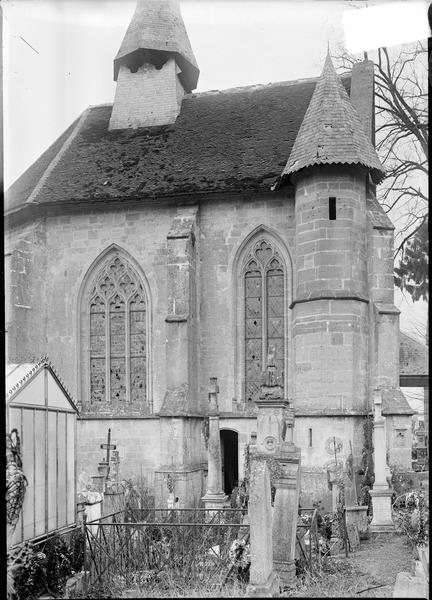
column 157, row 27
column 331, row 131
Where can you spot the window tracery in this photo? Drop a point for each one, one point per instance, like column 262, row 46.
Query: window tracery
column 264, row 294
column 118, row 341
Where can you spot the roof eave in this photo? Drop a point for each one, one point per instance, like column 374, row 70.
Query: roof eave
column 377, row 174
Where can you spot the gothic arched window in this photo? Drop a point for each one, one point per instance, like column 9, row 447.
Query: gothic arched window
column 117, row 311
column 264, row 296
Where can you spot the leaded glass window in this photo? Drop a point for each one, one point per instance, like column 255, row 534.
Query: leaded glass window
column 264, row 282
column 117, row 335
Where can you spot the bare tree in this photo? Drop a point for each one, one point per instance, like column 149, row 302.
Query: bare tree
column 401, row 134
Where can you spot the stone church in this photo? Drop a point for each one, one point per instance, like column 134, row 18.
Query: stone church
column 176, row 236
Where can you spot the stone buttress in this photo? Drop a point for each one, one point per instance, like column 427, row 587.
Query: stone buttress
column 181, row 447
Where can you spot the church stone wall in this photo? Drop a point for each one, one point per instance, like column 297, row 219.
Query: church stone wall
column 315, row 458
column 73, row 243
column 24, row 292
column 49, row 260
column 224, row 225
column 137, row 441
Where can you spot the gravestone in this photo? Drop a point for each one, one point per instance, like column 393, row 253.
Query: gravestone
column 353, row 537
column 263, row 581
column 357, row 516
column 274, row 442
column 287, row 484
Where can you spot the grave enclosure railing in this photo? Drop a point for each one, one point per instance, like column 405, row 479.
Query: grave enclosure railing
column 163, row 546
column 308, row 550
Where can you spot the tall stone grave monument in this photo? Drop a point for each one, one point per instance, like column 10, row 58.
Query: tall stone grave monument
column 381, row 492
column 275, row 445
column 215, row 497
column 263, row 581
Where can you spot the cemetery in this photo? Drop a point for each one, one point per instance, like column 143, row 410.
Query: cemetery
column 257, row 542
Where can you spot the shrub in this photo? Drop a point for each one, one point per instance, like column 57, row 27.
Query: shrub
column 33, row 570
column 59, row 563
column 29, row 577
column 411, row 512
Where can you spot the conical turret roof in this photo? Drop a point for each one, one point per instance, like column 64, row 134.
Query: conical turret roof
column 331, row 131
column 157, row 25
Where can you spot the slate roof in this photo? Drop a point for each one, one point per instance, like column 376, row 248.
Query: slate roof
column 331, row 131
column 158, row 25
column 232, row 140
column 413, row 356
column 377, row 217
column 395, row 403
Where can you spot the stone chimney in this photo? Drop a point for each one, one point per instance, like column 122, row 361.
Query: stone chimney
column 154, row 67
column 362, row 95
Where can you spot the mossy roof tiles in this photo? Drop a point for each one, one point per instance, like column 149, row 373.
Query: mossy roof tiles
column 233, row 140
column 413, row 356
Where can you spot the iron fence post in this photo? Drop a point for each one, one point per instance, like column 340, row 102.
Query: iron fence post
column 84, row 531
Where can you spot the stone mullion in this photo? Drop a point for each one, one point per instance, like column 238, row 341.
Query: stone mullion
column 281, row 333
column 107, row 352
column 264, row 316
column 127, row 352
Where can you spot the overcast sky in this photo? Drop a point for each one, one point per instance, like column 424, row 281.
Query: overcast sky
column 58, row 59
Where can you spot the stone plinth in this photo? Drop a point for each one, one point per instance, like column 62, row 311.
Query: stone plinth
column 382, row 520
column 267, row 589
column 215, row 501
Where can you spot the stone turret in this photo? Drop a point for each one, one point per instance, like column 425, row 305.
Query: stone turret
column 332, row 164
column 154, row 67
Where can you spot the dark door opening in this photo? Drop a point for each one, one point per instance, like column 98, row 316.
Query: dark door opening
column 229, row 451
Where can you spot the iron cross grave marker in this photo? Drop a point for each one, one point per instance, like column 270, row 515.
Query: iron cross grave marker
column 108, row 447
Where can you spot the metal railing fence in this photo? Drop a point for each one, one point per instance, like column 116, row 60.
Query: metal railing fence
column 139, row 546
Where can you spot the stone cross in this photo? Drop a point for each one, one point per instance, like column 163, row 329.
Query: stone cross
column 108, row 447
column 214, row 497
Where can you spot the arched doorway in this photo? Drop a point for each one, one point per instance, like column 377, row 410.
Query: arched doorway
column 229, row 452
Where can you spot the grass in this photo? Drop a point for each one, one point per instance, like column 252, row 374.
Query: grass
column 233, row 590
column 338, row 578
column 171, row 589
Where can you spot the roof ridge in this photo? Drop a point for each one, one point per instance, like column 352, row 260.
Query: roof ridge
column 240, row 88
column 412, row 338
column 54, row 162
column 34, row 369
column 43, row 362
